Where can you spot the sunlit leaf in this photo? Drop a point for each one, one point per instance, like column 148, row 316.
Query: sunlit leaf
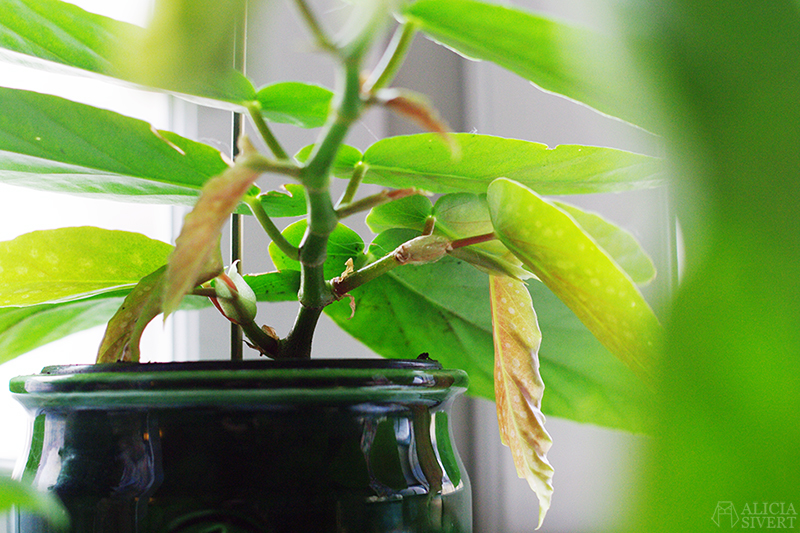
column 60, row 37
column 519, row 387
column 121, row 339
column 443, row 308
column 299, row 104
column 423, row 161
column 618, row 243
column 23, row 496
column 70, row 263
column 53, row 144
column 566, row 59
column 558, row 251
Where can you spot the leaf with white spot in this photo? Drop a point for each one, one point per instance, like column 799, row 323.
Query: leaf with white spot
column 518, row 385
column 550, row 243
column 71, row 263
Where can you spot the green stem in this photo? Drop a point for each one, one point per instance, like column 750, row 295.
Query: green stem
column 254, row 108
column 266, row 344
column 392, row 59
column 320, row 36
column 254, row 203
column 353, row 184
column 298, row 343
column 343, row 285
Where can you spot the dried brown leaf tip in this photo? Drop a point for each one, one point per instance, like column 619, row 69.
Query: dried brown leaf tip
column 418, row 109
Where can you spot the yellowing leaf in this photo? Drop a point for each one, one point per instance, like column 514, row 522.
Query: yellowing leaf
column 124, row 330
column 518, row 385
column 196, row 258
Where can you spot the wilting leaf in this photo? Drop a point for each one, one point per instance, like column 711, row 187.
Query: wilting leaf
column 124, row 331
column 417, row 108
column 71, row 263
column 519, row 387
column 582, row 275
column 196, row 256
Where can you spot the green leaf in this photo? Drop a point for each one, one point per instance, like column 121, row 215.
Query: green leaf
column 24, row 328
column 346, row 159
column 54, row 144
column 572, row 61
column 288, row 202
column 618, row 243
column 443, row 309
column 275, row 286
column 344, row 244
column 15, row 493
column 464, row 215
column 57, row 37
column 423, row 161
column 70, row 263
column 299, row 104
column 558, row 251
column 410, row 212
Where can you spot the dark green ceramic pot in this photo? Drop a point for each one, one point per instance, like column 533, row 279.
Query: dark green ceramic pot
column 257, row 446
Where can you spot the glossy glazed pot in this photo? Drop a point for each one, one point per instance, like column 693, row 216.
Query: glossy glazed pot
column 255, row 446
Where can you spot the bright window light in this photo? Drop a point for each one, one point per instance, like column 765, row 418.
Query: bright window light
column 24, row 210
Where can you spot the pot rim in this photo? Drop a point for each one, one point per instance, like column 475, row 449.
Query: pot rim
column 249, row 382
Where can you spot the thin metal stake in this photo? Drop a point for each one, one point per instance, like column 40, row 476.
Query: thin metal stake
column 240, row 41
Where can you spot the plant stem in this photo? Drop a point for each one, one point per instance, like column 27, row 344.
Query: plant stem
column 343, row 285
column 353, row 184
column 314, row 293
column 392, row 59
column 297, row 344
column 477, row 239
column 322, row 39
column 364, row 204
column 254, row 203
column 254, row 108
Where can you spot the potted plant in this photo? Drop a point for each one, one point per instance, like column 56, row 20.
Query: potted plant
column 452, row 279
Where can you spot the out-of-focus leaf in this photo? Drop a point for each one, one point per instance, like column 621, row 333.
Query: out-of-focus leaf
column 197, row 258
column 124, row 331
column 558, row 251
column 299, row 104
column 443, row 308
column 423, row 161
column 53, row 144
column 57, row 36
column 519, row 387
column 418, row 109
column 15, row 493
column 346, row 159
column 71, row 263
column 618, row 243
column 344, row 244
column 572, row 61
